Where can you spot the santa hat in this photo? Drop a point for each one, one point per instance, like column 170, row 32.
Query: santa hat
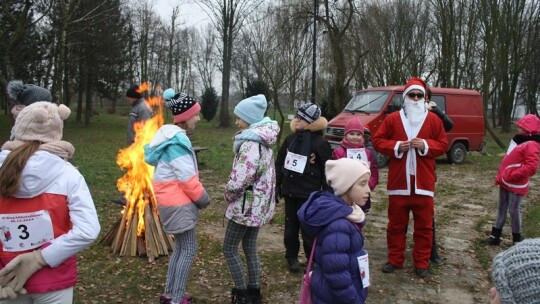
column 183, row 106
column 41, row 121
column 341, row 174
column 354, row 125
column 252, row 109
column 415, row 83
column 529, row 123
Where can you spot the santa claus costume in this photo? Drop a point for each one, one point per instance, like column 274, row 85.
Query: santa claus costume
column 412, row 138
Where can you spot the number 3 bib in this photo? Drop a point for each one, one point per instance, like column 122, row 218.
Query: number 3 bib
column 25, row 231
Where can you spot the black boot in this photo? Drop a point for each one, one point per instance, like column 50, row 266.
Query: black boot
column 255, row 294
column 516, row 237
column 240, row 296
column 495, row 237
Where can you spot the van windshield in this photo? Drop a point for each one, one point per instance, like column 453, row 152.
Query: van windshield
column 367, row 102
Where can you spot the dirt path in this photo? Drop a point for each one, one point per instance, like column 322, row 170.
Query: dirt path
column 465, row 208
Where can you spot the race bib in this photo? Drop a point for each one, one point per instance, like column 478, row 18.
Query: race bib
column 363, row 265
column 359, row 154
column 25, row 231
column 295, row 162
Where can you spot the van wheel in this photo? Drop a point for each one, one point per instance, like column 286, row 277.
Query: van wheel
column 382, row 160
column 457, row 153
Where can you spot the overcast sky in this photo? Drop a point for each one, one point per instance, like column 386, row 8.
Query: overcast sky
column 191, row 14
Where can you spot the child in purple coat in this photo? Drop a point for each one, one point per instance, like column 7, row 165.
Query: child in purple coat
column 341, row 268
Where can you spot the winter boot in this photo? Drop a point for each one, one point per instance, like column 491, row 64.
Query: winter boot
column 495, row 237
column 516, row 238
column 255, row 294
column 240, row 296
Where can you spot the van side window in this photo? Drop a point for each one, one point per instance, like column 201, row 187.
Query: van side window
column 396, row 103
column 440, row 101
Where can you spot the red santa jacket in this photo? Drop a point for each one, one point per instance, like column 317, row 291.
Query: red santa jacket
column 392, row 131
column 518, row 166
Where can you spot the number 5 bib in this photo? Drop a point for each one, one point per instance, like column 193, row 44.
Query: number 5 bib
column 25, row 231
column 295, row 162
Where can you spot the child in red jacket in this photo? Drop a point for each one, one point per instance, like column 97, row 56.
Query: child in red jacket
column 352, row 146
column 518, row 165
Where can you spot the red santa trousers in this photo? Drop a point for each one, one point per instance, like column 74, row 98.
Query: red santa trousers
column 399, row 207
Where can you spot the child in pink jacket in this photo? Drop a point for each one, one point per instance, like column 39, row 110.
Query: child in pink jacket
column 519, row 164
column 352, row 146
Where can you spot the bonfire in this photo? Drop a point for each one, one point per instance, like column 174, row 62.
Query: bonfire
column 139, row 231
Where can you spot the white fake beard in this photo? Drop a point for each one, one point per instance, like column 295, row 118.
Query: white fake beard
column 414, row 110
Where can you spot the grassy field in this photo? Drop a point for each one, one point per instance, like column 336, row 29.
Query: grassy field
column 108, row 278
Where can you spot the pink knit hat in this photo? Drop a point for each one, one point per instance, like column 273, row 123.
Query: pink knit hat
column 341, row 174
column 354, row 125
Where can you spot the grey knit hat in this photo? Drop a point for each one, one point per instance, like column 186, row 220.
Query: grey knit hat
column 516, row 273
column 27, row 94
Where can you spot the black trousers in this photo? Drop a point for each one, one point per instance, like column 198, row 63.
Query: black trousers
column 292, row 228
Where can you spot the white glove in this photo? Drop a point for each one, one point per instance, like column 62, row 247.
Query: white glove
column 7, row 292
column 23, row 267
column 357, row 215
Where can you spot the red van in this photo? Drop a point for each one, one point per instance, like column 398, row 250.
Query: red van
column 463, row 106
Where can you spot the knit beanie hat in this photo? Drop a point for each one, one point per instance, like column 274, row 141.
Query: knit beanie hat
column 516, row 273
column 415, row 83
column 27, row 94
column 134, row 92
column 529, row 123
column 341, row 174
column 183, row 106
column 41, row 121
column 354, row 125
column 252, row 109
column 309, row 112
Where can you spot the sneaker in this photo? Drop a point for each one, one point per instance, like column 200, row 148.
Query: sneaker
column 164, row 300
column 421, row 272
column 389, row 268
column 294, row 266
column 435, row 259
column 188, row 299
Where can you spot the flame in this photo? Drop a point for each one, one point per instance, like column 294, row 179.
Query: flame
column 137, row 181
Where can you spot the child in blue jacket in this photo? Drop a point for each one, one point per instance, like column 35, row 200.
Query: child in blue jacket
column 341, row 269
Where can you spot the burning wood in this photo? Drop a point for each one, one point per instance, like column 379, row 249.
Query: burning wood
column 139, row 230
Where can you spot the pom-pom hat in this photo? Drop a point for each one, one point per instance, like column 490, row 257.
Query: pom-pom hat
column 27, row 94
column 309, row 112
column 252, row 109
column 341, row 174
column 41, row 121
column 354, row 125
column 183, row 106
column 415, row 83
column 516, row 273
column 529, row 123
column 134, row 92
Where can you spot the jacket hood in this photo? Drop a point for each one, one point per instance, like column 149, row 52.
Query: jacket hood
column 41, row 170
column 529, row 123
column 318, row 125
column 166, row 135
column 320, row 209
column 264, row 132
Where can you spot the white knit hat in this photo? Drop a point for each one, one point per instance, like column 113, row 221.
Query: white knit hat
column 516, row 273
column 341, row 174
column 41, row 121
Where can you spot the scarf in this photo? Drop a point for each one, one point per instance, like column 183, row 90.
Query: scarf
column 60, row 148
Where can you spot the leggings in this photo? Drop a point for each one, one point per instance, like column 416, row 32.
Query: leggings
column 235, row 234
column 185, row 248
column 508, row 200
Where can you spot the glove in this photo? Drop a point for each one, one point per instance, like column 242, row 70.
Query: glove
column 357, row 215
column 23, row 267
column 7, row 292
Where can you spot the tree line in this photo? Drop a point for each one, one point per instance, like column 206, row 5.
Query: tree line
column 87, row 51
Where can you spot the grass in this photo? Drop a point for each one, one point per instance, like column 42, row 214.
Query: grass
column 108, row 278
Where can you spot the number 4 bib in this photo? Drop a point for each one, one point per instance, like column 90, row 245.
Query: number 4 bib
column 25, row 231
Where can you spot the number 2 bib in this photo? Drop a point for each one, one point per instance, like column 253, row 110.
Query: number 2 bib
column 25, row 231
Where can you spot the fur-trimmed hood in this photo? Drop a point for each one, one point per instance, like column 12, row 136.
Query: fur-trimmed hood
column 318, row 125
